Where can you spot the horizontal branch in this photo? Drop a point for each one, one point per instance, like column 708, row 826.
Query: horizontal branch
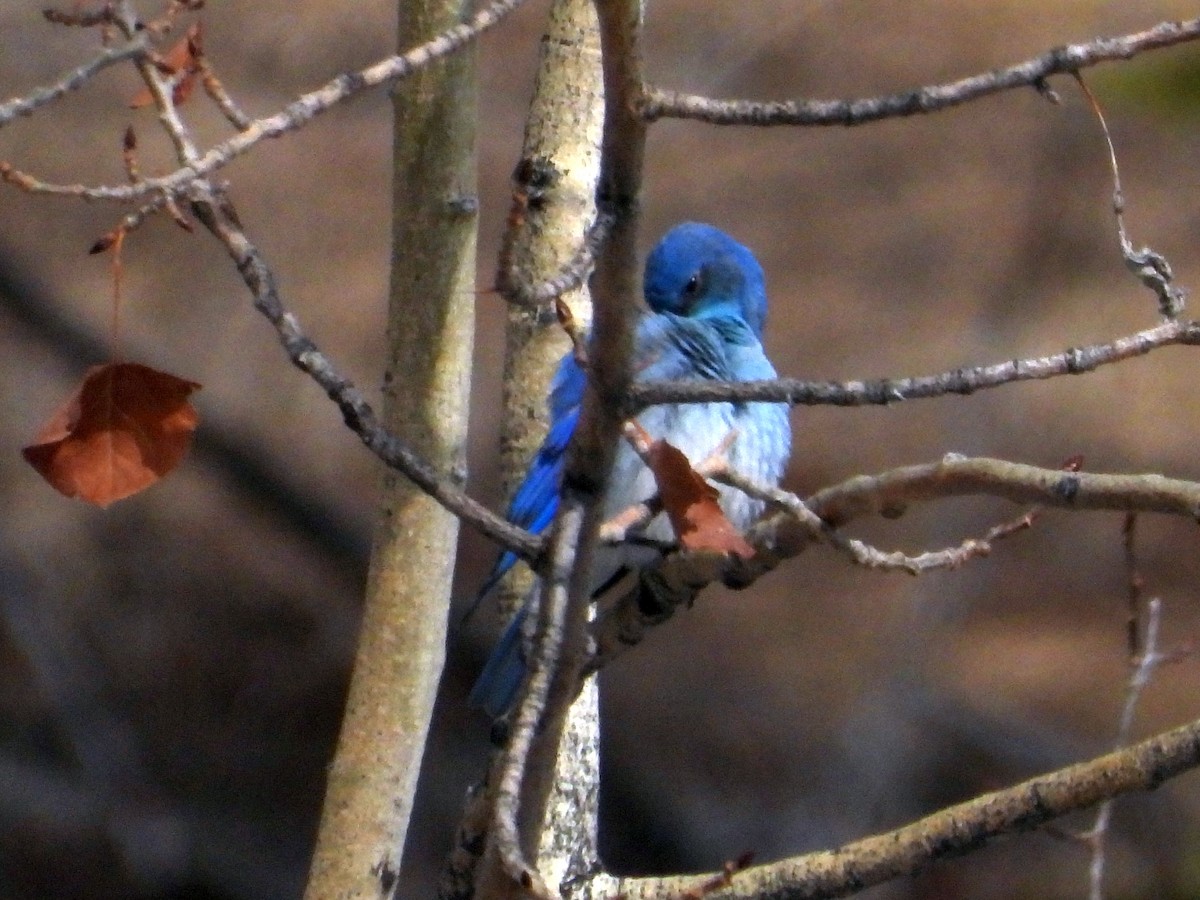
column 1068, row 59
column 784, row 534
column 949, row 832
column 957, row 476
column 883, row 391
column 863, row 554
column 299, row 112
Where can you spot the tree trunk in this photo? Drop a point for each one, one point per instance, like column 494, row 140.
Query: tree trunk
column 401, row 652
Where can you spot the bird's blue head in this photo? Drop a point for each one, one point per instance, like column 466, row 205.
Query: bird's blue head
column 699, row 271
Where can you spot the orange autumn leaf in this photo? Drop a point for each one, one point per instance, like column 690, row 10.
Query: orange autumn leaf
column 125, row 427
column 691, row 503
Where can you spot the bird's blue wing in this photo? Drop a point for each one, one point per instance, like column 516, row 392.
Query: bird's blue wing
column 533, row 507
column 496, row 687
column 667, row 347
column 536, row 501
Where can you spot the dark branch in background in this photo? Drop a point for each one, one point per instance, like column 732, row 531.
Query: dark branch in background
column 217, row 215
column 1069, row 59
column 884, row 391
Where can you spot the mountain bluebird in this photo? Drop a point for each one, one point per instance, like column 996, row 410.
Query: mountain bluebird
column 708, row 305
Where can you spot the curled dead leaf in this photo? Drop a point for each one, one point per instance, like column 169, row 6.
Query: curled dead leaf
column 125, row 427
column 690, row 502
column 181, row 60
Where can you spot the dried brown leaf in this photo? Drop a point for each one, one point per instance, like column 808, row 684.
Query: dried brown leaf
column 691, row 503
column 125, row 427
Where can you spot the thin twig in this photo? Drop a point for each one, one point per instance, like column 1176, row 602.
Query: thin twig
column 1150, row 267
column 1143, row 670
column 635, row 517
column 132, row 220
column 166, row 22
column 161, row 90
column 932, row 98
column 546, row 659
column 79, row 17
column 863, row 554
column 573, row 274
column 786, row 533
column 73, row 80
column 220, row 96
column 299, row 112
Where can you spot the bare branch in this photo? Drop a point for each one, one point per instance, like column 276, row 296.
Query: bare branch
column 954, row 830
column 73, row 80
column 573, row 274
column 299, row 112
column 160, row 88
column 1143, row 670
column 890, row 492
column 220, row 96
column 863, row 554
column 1068, row 59
column 549, row 248
column 1134, row 585
column 559, row 649
column 883, row 391
column 165, row 22
column 218, row 216
column 513, row 803
column 786, row 533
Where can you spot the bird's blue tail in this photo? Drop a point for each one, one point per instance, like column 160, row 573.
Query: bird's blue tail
column 496, row 688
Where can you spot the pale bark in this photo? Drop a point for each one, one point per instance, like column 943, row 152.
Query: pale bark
column 525, row 774
column 561, row 154
column 553, row 207
column 373, row 778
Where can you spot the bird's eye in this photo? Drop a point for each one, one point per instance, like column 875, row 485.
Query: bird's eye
column 693, row 286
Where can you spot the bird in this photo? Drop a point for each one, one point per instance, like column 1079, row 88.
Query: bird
column 707, row 307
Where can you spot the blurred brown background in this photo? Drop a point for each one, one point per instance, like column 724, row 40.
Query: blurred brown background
column 171, row 669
